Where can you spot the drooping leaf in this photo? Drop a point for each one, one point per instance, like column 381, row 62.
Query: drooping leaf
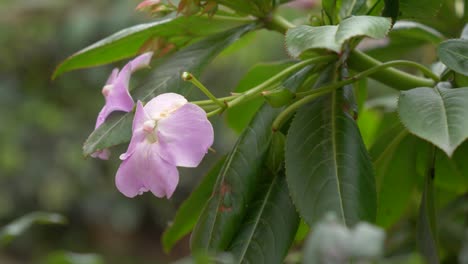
column 239, row 117
column 327, row 165
column 437, row 115
column 236, row 185
column 270, row 226
column 416, row 31
column 20, row 225
column 303, row 38
column 395, row 156
column 427, row 226
column 188, row 213
column 454, row 54
column 165, row 78
column 178, row 31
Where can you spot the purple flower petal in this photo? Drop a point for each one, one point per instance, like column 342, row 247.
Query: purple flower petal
column 101, row 154
column 164, row 104
column 138, row 135
column 145, row 171
column 185, row 136
column 141, row 61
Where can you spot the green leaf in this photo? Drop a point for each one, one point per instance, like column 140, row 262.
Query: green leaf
column 395, row 157
column 427, row 226
column 188, row 213
column 239, row 117
column 419, row 10
column 270, row 227
column 327, row 165
column 20, row 225
column 437, row 115
column 391, row 9
column 165, row 78
column 303, row 38
column 454, row 54
column 259, row 8
column 236, row 185
column 452, row 173
column 416, row 31
column 128, row 42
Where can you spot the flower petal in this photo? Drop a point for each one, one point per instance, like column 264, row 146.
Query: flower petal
column 164, row 103
column 185, row 136
column 112, row 76
column 101, row 154
column 138, row 135
column 141, row 61
column 145, row 171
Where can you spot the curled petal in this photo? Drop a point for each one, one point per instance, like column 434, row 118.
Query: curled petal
column 185, row 136
column 112, row 76
column 145, row 170
column 141, row 61
column 164, row 104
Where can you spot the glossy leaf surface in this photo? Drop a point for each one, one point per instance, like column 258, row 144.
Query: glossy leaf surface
column 270, row 227
column 327, row 165
column 236, row 185
column 178, row 31
column 437, row 115
column 453, row 53
column 188, row 213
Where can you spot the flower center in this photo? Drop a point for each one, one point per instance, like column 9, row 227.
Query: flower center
column 107, row 89
column 150, row 128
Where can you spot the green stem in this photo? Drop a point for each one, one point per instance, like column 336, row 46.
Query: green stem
column 232, row 18
column 283, row 116
column 210, row 102
column 249, row 94
column 369, row 72
column 278, row 23
column 397, row 79
column 186, row 76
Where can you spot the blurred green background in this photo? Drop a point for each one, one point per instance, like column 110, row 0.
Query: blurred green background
column 43, row 124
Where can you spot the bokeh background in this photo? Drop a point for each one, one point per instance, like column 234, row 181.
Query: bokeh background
column 43, row 124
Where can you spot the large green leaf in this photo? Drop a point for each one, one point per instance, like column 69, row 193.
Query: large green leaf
column 327, row 165
column 188, row 213
column 454, row 54
column 20, row 225
column 165, row 78
column 427, row 226
column 303, row 38
column 236, row 185
column 127, row 43
column 452, row 173
column 395, row 155
column 239, row 117
column 269, row 228
column 437, row 115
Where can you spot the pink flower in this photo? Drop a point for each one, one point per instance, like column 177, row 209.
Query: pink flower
column 147, row 4
column 167, row 132
column 116, row 93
